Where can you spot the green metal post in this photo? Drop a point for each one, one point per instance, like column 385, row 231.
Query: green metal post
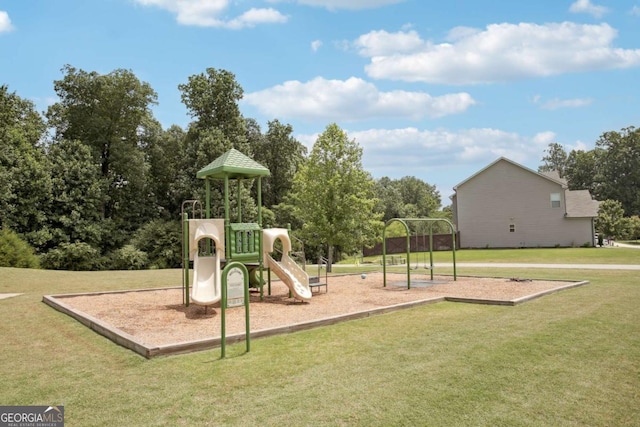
column 453, row 246
column 247, row 323
column 208, row 199
column 223, row 308
column 185, row 258
column 384, row 251
column 260, row 239
column 227, row 223
column 384, row 255
column 431, row 248
column 408, row 255
column 239, row 203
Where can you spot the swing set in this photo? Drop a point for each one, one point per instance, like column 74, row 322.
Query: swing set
column 405, row 222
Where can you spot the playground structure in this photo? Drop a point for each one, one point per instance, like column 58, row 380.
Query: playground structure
column 213, row 243
column 404, row 222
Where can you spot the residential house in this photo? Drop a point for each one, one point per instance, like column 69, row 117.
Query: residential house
column 507, row 205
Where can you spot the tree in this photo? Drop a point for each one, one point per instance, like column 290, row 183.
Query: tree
column 77, row 194
column 580, row 170
column 423, row 196
column 282, row 154
column 333, row 196
column 632, row 228
column 164, row 156
column 610, row 220
column 390, row 199
column 619, row 165
column 408, row 197
column 212, row 100
column 25, row 185
column 109, row 113
column 554, row 160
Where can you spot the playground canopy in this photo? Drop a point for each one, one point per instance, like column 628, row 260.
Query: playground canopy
column 233, row 165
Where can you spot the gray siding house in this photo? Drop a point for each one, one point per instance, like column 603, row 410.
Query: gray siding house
column 507, row 205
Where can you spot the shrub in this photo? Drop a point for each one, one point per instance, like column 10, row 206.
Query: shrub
column 15, row 252
column 161, row 240
column 73, row 256
column 128, row 258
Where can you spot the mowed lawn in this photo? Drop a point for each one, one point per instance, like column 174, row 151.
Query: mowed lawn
column 568, row 359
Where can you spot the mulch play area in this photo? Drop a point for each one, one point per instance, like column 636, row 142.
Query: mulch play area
column 155, row 322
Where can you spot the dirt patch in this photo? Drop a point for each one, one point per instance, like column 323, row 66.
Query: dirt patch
column 158, row 317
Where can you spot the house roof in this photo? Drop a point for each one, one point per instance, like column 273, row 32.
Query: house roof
column 233, row 164
column 555, row 176
column 579, row 204
column 557, row 180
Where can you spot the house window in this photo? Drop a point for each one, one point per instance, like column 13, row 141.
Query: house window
column 555, row 200
column 512, row 228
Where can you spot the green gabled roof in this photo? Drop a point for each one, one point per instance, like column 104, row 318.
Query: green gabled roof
column 233, row 164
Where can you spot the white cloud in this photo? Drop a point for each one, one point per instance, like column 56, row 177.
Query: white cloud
column 578, row 146
column 252, row 17
column 208, row 13
column 345, row 4
column 380, row 43
column 5, row 22
column 315, row 45
column 501, row 52
column 585, row 6
column 635, row 11
column 411, row 151
column 350, row 100
column 556, row 103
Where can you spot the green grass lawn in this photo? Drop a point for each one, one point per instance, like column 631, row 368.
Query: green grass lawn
column 534, row 256
column 571, row 358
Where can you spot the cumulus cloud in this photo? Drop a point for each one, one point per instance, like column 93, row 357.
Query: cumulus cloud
column 5, row 22
column 345, row 4
column 499, row 53
column 557, row 103
column 411, row 151
column 210, row 13
column 315, row 45
column 351, row 100
column 585, row 6
column 382, row 43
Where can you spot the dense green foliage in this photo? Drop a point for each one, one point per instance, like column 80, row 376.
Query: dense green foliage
column 15, row 252
column 97, row 183
column 104, row 187
column 610, row 221
column 283, row 155
column 611, row 171
column 334, row 197
column 25, row 182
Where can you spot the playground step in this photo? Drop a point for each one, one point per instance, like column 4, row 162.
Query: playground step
column 318, row 286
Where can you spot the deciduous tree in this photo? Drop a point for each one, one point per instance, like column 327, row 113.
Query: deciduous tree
column 108, row 113
column 25, row 184
column 282, row 154
column 619, row 167
column 610, row 220
column 334, row 196
column 555, row 159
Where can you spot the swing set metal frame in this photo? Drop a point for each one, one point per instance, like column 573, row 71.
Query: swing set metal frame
column 404, row 222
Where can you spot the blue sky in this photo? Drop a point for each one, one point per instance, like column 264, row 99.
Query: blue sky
column 432, row 89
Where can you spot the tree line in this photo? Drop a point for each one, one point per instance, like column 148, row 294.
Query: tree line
column 611, row 173
column 96, row 182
